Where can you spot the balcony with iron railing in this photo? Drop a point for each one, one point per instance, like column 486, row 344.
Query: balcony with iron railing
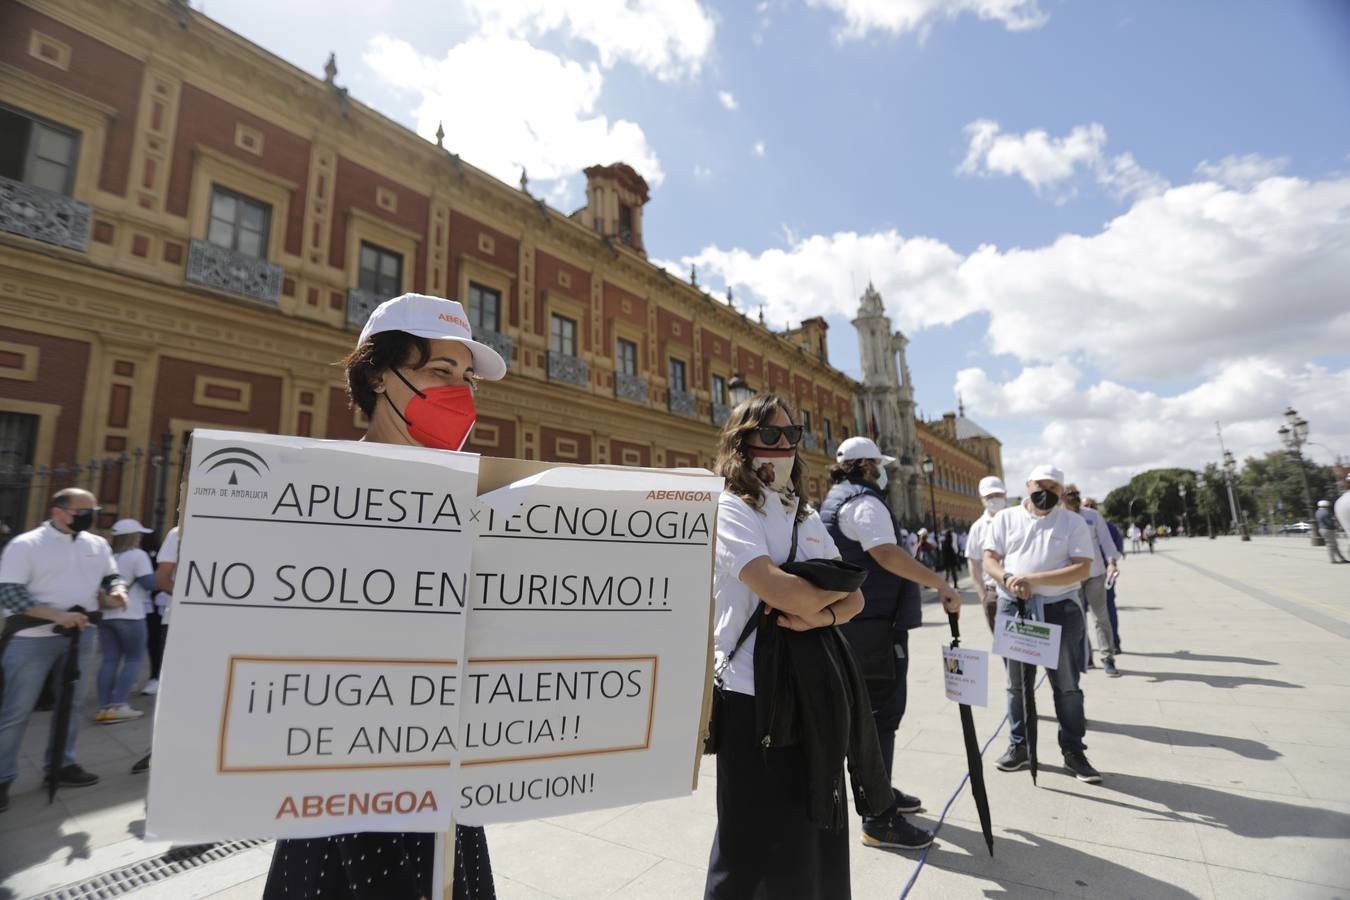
column 682, row 403
column 568, row 369
column 810, row 442
column 497, row 341
column 43, row 215
column 223, row 269
column 720, row 413
column 360, row 304
column 630, row 387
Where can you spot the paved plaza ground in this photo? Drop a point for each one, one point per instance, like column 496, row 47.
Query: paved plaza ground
column 1223, row 748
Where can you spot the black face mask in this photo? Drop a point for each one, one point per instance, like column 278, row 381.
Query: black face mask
column 1044, row 499
column 82, row 520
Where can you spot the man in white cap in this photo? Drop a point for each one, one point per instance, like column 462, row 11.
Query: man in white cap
column 1326, row 525
column 1038, row 554
column 859, row 520
column 994, row 496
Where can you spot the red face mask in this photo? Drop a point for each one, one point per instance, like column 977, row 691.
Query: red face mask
column 439, row 417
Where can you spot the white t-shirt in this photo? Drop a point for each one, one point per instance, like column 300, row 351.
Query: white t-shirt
column 133, row 564
column 1342, row 510
column 168, row 553
column 60, row 570
column 867, row 521
column 1029, row 543
column 745, row 534
column 975, row 541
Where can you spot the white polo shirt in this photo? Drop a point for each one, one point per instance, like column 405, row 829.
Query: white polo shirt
column 745, row 534
column 133, row 564
column 867, row 521
column 1101, row 540
column 1029, row 543
column 975, row 541
column 60, row 570
column 168, row 553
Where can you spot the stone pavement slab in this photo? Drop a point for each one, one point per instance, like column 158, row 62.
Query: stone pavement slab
column 1222, row 748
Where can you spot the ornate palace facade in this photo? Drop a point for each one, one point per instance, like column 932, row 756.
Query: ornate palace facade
column 192, row 232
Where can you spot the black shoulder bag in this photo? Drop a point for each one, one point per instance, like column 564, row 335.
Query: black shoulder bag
column 719, row 687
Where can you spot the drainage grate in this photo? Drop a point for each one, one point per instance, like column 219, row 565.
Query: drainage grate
column 120, row 882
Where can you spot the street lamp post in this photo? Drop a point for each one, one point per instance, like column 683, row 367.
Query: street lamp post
column 739, row 389
column 927, row 466
column 1185, row 512
column 1295, row 435
column 1130, row 514
column 1239, row 517
column 1204, row 492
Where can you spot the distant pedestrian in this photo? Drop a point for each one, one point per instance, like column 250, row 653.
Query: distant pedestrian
column 121, row 634
column 951, row 561
column 56, row 572
column 1150, row 534
column 1094, row 586
column 994, row 497
column 1119, row 541
column 1326, row 526
column 1134, row 534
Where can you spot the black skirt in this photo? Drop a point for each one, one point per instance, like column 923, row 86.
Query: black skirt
column 765, row 847
column 377, row 865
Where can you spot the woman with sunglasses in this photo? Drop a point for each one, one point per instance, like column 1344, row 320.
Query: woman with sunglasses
column 765, row 845
column 413, row 373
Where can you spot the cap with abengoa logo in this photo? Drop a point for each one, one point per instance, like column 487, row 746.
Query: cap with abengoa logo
column 435, row 319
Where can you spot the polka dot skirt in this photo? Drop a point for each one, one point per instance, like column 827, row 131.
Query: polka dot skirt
column 377, row 866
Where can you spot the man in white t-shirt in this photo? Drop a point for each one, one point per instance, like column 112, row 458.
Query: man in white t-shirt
column 1093, row 589
column 862, row 527
column 994, row 496
column 50, row 573
column 1342, row 508
column 1038, row 554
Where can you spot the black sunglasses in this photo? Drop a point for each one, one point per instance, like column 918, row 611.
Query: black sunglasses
column 769, row 434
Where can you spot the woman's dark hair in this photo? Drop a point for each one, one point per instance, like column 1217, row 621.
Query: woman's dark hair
column 733, row 459
column 854, row 470
column 386, row 350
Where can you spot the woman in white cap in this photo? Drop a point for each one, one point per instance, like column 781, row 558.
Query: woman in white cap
column 121, row 634
column 413, row 373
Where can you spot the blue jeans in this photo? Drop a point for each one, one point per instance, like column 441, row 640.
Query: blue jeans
column 120, row 641
column 1063, row 680
column 26, row 663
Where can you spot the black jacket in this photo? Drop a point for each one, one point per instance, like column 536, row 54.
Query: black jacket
column 809, row 693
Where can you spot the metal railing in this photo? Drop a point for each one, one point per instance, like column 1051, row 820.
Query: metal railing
column 497, row 341
column 223, row 269
column 630, row 387
column 360, row 304
column 568, row 369
column 720, row 413
column 682, row 403
column 43, row 215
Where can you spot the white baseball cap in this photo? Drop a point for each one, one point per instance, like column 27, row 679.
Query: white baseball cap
column 436, row 319
column 1324, row 503
column 991, row 484
column 861, row 448
column 1047, row 472
column 129, row 526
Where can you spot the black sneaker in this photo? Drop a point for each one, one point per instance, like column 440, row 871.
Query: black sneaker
column 1016, row 758
column 74, row 775
column 904, row 803
column 1077, row 763
column 1109, row 666
column 142, row 765
column 4, row 795
column 897, row 834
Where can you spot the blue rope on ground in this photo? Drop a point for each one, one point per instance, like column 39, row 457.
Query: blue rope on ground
column 942, row 817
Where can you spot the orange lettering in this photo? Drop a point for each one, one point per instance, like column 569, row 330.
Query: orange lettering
column 311, row 806
column 428, row 802
column 288, row 808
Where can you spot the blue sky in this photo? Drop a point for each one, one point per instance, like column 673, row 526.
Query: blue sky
column 1106, row 223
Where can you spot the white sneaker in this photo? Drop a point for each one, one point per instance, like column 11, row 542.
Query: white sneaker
column 151, row 686
column 121, row 713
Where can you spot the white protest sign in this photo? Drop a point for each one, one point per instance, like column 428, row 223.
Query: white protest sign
column 966, row 675
column 588, row 641
column 312, row 678
column 1026, row 640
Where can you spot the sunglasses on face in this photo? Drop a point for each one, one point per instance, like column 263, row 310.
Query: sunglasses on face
column 1073, row 494
column 769, row 434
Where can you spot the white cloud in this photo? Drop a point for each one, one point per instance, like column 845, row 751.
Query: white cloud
column 758, row 148
column 1242, row 171
column 1233, row 288
column 702, row 172
column 897, row 17
column 529, row 108
column 670, row 39
column 727, row 99
column 1047, row 162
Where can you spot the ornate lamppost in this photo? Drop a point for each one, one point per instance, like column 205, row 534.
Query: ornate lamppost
column 739, row 389
column 1204, row 492
column 1295, row 435
column 1185, row 511
column 1239, row 517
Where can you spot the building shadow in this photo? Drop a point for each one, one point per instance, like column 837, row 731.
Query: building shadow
column 1225, row 682
column 1206, row 657
column 1251, row 817
column 1128, row 608
column 1177, row 737
column 1017, row 867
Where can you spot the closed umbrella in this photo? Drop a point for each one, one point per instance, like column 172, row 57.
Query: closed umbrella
column 65, row 703
column 974, row 762
column 1029, row 714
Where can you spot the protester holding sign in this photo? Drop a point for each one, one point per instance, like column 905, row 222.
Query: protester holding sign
column 767, row 843
column 413, row 374
column 862, row 527
column 1038, row 553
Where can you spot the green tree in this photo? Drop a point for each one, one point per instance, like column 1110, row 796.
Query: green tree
column 1152, row 498
column 1275, row 488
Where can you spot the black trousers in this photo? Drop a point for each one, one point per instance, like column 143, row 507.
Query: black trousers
column 154, row 642
column 765, row 847
column 888, row 708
